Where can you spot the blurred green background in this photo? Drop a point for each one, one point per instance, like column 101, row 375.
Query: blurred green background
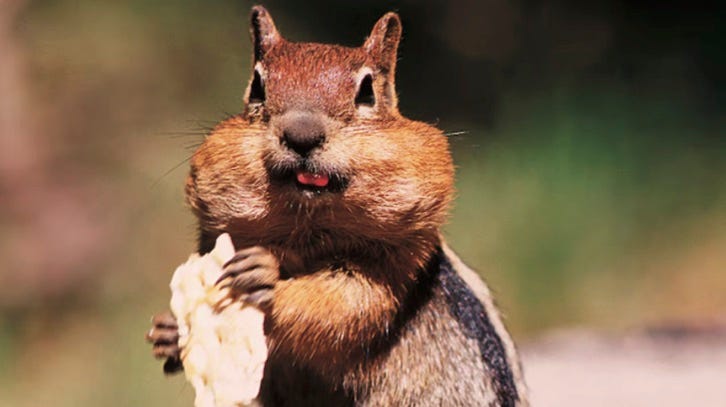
column 589, row 140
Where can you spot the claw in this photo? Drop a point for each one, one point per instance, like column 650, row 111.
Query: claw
column 261, row 299
column 173, row 365
column 164, row 320
column 243, row 254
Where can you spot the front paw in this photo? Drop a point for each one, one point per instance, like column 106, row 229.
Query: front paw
column 251, row 276
column 164, row 336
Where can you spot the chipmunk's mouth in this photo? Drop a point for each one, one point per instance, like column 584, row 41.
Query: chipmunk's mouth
column 306, row 179
column 312, row 179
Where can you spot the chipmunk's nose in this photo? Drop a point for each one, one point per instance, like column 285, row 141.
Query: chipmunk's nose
column 302, row 132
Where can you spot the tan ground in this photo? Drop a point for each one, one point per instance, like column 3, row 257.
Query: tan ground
column 665, row 367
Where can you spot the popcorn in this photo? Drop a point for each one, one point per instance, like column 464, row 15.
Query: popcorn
column 222, row 343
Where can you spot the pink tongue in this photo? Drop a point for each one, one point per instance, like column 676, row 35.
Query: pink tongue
column 309, row 178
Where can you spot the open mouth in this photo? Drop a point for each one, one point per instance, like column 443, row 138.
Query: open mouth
column 312, row 179
column 307, row 180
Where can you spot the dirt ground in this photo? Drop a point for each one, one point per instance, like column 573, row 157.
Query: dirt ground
column 661, row 367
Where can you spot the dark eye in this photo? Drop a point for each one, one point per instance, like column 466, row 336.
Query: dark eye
column 365, row 96
column 257, row 89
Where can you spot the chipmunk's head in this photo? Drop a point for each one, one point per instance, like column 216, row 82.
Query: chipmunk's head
column 321, row 146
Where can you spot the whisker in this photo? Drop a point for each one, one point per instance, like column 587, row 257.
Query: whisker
column 192, row 147
column 178, row 134
column 169, row 171
column 200, row 121
column 201, row 129
column 456, row 133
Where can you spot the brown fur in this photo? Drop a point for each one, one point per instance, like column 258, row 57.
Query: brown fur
column 353, row 316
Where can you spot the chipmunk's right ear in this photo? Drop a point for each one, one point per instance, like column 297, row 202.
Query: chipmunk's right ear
column 263, row 31
column 382, row 47
column 383, row 41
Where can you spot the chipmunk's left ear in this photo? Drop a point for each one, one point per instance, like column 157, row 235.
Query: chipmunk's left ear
column 382, row 43
column 263, row 32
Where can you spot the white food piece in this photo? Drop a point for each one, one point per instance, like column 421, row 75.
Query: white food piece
column 222, row 342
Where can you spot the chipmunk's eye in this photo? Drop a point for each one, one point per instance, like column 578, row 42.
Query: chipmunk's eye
column 257, row 89
column 365, row 96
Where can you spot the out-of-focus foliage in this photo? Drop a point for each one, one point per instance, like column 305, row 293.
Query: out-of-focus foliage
column 589, row 138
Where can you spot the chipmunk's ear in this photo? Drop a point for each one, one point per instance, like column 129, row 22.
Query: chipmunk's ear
column 382, row 43
column 263, row 31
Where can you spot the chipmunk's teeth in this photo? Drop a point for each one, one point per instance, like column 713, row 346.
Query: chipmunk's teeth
column 312, row 179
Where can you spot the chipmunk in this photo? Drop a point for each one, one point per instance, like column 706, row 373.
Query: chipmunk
column 336, row 201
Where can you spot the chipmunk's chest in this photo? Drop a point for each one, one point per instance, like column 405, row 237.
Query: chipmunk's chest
column 444, row 350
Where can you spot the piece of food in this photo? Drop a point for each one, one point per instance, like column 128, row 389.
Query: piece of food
column 222, row 343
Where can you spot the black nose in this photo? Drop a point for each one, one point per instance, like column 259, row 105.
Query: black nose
column 302, row 133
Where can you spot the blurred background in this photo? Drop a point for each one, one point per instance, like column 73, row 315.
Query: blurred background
column 589, row 138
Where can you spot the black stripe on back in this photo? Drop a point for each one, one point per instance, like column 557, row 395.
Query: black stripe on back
column 469, row 312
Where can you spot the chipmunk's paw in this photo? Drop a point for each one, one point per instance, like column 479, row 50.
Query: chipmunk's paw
column 164, row 337
column 251, row 276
